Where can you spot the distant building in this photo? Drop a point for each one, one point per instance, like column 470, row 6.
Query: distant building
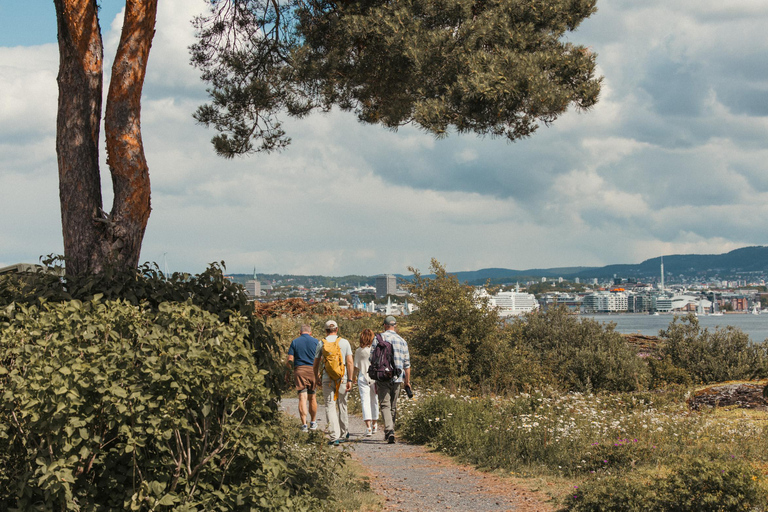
column 514, row 303
column 605, row 302
column 639, row 303
column 386, row 285
column 253, row 289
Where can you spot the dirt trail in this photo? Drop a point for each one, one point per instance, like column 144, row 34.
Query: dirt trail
column 409, row 477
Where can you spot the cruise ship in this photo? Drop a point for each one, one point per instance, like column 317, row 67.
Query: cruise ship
column 514, row 303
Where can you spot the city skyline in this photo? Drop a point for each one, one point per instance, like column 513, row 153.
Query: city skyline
column 672, row 160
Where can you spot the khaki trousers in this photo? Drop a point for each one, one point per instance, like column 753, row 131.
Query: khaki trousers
column 336, row 410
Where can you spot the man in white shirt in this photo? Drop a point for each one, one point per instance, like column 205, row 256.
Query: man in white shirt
column 335, row 410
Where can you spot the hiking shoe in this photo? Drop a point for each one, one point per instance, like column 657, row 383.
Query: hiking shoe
column 312, row 425
column 304, row 428
column 368, row 432
column 391, row 437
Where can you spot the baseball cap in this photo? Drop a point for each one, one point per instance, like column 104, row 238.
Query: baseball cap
column 390, row 320
column 331, row 324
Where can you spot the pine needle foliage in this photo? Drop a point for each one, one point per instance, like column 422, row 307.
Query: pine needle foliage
column 490, row 67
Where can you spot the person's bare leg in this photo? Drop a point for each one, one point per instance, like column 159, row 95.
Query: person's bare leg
column 303, row 407
column 312, row 407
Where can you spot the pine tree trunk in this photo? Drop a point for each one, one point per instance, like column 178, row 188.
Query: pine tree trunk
column 94, row 240
column 77, row 131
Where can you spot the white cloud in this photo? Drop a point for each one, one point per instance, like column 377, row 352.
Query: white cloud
column 672, row 160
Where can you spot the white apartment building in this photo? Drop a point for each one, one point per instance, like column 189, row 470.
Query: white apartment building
column 605, row 302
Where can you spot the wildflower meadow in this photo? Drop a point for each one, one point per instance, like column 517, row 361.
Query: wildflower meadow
column 590, row 438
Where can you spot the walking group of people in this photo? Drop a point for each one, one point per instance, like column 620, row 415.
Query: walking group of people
column 332, row 357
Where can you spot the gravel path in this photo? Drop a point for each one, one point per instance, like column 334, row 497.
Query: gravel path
column 409, row 477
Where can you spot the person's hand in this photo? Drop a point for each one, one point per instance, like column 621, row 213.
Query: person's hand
column 349, row 385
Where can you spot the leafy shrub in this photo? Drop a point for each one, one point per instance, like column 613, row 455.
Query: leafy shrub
column 712, row 486
column 694, row 485
column 508, row 368
column 108, row 405
column 449, row 328
column 148, row 286
column 665, row 373
column 580, row 353
column 713, row 356
column 613, row 494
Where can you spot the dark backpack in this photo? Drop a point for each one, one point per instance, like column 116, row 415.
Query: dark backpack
column 382, row 366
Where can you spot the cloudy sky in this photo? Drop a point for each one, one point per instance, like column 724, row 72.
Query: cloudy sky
column 673, row 159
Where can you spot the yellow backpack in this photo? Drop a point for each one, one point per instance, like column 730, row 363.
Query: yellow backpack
column 334, row 363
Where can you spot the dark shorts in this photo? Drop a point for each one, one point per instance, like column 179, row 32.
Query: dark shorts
column 304, row 377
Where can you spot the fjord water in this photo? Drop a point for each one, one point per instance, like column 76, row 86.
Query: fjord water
column 756, row 326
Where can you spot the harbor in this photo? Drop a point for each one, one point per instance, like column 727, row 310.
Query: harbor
column 755, row 326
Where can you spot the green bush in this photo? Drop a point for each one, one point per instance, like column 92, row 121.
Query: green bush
column 107, row 406
column 614, row 494
column 581, row 354
column 509, row 369
column 713, row 356
column 449, row 330
column 694, row 485
column 147, row 286
column 664, row 373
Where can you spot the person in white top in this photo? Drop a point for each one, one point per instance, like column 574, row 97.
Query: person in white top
column 365, row 385
column 335, row 410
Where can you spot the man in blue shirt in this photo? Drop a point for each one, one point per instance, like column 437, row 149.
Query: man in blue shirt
column 301, row 356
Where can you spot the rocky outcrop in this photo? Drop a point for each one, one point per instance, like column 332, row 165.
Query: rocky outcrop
column 742, row 394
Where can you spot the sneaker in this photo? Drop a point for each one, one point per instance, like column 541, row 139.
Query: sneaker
column 391, row 437
column 347, row 436
column 368, row 432
column 312, row 425
column 375, row 429
column 304, row 428
column 334, row 443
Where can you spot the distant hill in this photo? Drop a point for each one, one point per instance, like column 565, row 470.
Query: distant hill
column 738, row 262
column 731, row 265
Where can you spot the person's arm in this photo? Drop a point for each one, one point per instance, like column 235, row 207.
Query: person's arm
column 357, row 367
column 350, row 370
column 406, row 365
column 316, row 369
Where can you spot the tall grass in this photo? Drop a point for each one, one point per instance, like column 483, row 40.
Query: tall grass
column 578, row 434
